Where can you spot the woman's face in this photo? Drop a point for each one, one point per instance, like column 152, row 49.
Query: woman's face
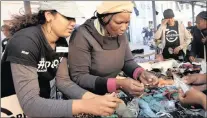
column 201, row 23
column 62, row 26
column 118, row 24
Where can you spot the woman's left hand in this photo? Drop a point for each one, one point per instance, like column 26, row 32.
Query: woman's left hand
column 148, row 78
column 204, row 40
column 177, row 50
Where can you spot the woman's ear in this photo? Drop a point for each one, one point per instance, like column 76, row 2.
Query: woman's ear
column 48, row 16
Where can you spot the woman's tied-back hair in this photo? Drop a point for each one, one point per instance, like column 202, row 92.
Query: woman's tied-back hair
column 100, row 17
column 23, row 21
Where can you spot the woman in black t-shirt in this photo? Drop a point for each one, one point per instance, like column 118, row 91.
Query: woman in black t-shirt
column 36, row 54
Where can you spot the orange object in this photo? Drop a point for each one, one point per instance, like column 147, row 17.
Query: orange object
column 163, row 82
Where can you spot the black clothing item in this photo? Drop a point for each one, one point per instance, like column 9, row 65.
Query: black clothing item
column 172, row 41
column 183, row 112
column 180, row 56
column 172, row 36
column 137, row 51
column 30, row 48
column 197, row 47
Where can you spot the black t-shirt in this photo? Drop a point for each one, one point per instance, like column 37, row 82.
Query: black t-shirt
column 172, row 36
column 172, row 41
column 4, row 43
column 29, row 47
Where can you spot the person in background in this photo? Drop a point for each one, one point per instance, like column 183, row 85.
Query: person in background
column 5, row 30
column 174, row 37
column 151, row 29
column 35, row 61
column 199, row 43
column 190, row 27
column 145, row 31
column 195, row 94
column 99, row 50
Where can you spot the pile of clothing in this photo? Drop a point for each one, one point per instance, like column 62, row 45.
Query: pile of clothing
column 160, row 102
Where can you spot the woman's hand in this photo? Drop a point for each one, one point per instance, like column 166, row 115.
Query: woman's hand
column 133, row 87
column 198, row 81
column 101, row 105
column 148, row 78
column 177, row 50
column 192, row 59
column 164, row 22
column 192, row 96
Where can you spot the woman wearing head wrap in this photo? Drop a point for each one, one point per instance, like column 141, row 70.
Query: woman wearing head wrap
column 99, row 50
column 35, row 61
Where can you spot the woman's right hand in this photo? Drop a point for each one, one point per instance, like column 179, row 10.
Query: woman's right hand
column 133, row 87
column 101, row 105
column 192, row 59
column 164, row 22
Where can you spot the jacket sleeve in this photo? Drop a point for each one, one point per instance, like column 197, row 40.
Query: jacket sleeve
column 187, row 38
column 158, row 33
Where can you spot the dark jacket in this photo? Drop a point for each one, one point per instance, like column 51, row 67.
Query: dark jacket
column 197, row 48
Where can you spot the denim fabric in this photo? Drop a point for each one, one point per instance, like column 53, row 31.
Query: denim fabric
column 155, row 101
column 145, row 110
